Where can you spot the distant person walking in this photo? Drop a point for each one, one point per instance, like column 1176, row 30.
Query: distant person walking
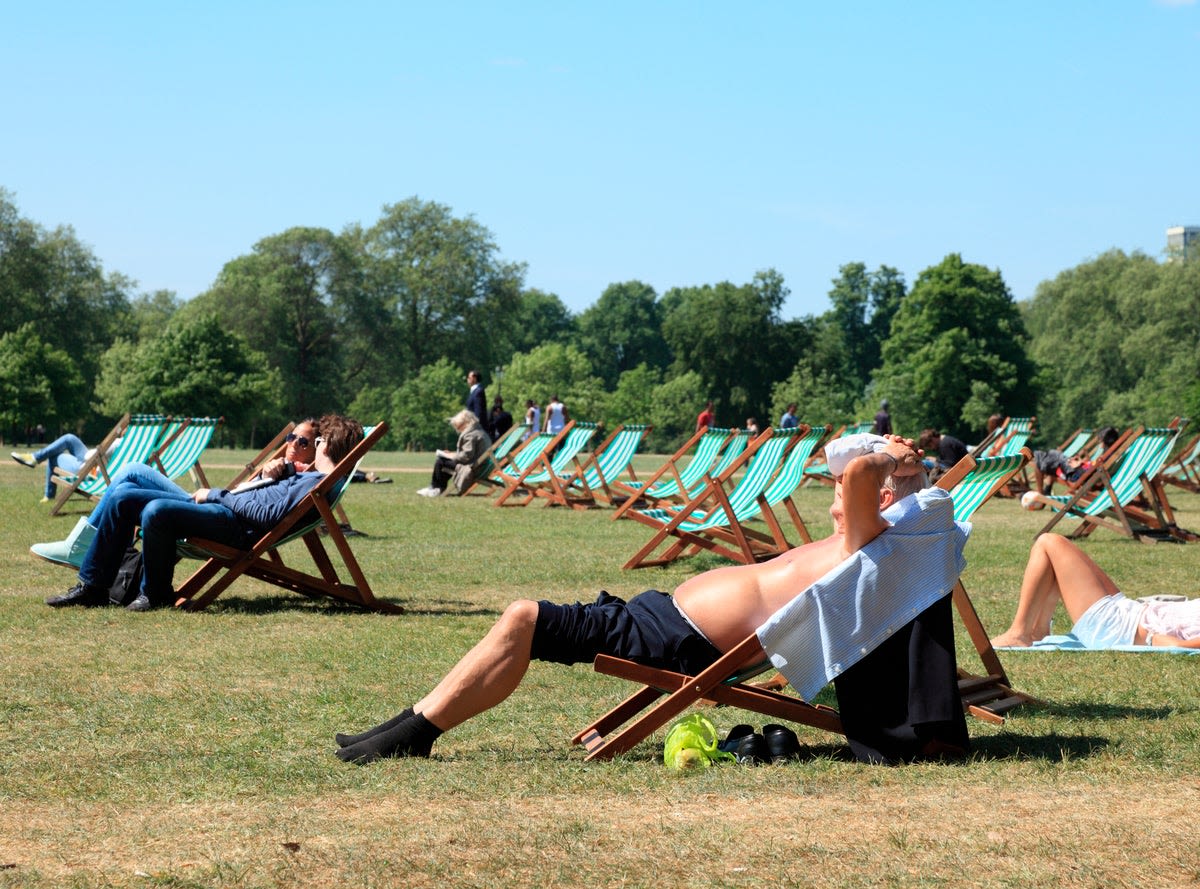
column 533, row 416
column 883, row 420
column 789, row 420
column 556, row 416
column 707, row 418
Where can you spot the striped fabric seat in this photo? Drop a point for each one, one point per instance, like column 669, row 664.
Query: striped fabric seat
column 572, row 439
column 708, row 447
column 987, row 475
column 595, row 479
column 182, row 445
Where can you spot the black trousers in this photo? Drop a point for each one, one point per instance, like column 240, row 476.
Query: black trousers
column 443, row 471
column 901, row 701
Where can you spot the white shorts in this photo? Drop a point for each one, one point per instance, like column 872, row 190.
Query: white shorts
column 1112, row 620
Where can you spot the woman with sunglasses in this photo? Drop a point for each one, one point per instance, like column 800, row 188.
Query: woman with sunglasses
column 298, row 455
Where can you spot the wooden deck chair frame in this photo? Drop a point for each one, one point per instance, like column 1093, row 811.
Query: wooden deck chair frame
column 666, row 694
column 714, row 501
column 224, row 564
column 594, row 479
column 96, row 472
column 546, row 468
column 1097, row 502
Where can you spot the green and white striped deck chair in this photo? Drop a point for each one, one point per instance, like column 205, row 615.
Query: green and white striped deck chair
column 669, row 480
column 553, row 462
column 693, row 526
column 755, row 545
column 1183, row 470
column 520, row 458
column 1076, row 442
column 182, row 446
column 595, row 478
column 1105, row 495
column 222, row 564
column 139, row 435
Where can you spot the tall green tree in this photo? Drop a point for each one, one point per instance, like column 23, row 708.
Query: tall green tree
column 196, row 367
column 733, row 338
column 1119, row 339
column 50, row 280
column 441, row 280
column 422, row 404
column 863, row 306
column 283, row 299
column 556, row 369
column 957, row 345
column 623, row 329
column 537, row 318
column 38, row 384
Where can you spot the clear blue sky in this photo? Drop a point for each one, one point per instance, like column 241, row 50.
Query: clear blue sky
column 675, row 143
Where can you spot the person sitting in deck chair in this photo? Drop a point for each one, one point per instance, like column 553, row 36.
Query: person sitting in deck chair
column 687, row 631
column 143, row 497
column 1059, row 570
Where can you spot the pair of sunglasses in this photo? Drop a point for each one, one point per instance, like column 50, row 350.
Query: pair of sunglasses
column 300, row 439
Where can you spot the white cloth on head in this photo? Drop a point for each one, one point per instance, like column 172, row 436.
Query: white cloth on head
column 849, row 612
column 840, row 451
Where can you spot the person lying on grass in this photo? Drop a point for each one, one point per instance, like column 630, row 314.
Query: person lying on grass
column 687, row 631
column 143, row 497
column 1058, row 570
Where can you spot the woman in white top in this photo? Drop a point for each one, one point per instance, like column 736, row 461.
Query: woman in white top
column 1103, row 616
column 556, row 415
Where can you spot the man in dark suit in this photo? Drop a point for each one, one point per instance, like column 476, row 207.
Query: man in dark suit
column 477, row 398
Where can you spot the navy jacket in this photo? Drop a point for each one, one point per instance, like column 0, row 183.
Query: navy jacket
column 261, row 509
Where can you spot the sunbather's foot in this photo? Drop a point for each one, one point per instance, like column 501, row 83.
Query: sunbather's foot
column 1012, row 639
column 25, row 459
column 411, row 737
column 344, row 740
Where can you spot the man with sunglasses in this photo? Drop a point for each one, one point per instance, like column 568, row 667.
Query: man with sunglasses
column 142, row 497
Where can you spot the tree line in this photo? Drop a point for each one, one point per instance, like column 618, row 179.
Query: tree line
column 383, row 321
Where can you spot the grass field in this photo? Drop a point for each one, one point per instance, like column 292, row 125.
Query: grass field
column 177, row 750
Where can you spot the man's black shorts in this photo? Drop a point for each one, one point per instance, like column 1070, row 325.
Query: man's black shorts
column 648, row 629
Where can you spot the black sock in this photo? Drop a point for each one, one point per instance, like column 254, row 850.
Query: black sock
column 346, row 740
column 411, row 737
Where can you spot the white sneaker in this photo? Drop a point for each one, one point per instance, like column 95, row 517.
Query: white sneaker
column 430, row 492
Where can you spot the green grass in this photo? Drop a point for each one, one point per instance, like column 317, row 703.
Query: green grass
column 170, row 749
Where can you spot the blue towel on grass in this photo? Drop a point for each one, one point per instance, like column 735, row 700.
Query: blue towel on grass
column 1067, row 642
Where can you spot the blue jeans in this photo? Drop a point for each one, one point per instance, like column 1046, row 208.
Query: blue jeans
column 141, row 496
column 67, row 452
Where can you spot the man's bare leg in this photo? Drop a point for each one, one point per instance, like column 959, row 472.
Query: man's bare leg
column 487, row 674
column 1057, row 570
column 484, row 677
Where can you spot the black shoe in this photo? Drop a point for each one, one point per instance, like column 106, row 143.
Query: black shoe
column 734, row 737
column 80, row 594
column 142, row 603
column 781, row 742
column 752, row 750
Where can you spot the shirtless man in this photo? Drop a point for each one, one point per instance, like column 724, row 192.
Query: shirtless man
column 1103, row 617
column 708, row 614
